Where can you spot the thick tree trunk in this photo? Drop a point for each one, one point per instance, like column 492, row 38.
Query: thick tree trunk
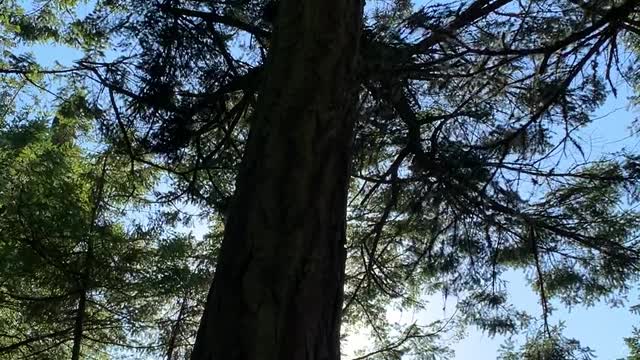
column 277, row 292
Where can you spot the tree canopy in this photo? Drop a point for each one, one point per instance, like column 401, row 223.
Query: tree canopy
column 466, row 164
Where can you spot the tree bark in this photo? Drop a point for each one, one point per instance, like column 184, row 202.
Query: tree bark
column 79, row 326
column 277, row 292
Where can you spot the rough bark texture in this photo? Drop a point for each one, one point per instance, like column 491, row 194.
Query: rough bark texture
column 277, row 292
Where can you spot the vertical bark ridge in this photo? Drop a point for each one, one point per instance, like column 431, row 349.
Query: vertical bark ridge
column 277, row 292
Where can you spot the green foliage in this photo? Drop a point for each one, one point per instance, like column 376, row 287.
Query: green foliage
column 552, row 346
column 633, row 343
column 65, row 240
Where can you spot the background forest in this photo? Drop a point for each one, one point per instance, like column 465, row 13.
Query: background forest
column 469, row 166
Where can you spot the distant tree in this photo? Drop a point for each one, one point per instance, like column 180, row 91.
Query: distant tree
column 78, row 276
column 430, row 144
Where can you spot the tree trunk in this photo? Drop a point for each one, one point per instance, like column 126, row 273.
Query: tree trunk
column 79, row 325
column 277, row 292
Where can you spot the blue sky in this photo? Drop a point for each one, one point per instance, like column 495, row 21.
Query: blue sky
column 599, row 327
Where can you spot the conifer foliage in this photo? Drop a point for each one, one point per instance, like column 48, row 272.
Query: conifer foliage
column 458, row 124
